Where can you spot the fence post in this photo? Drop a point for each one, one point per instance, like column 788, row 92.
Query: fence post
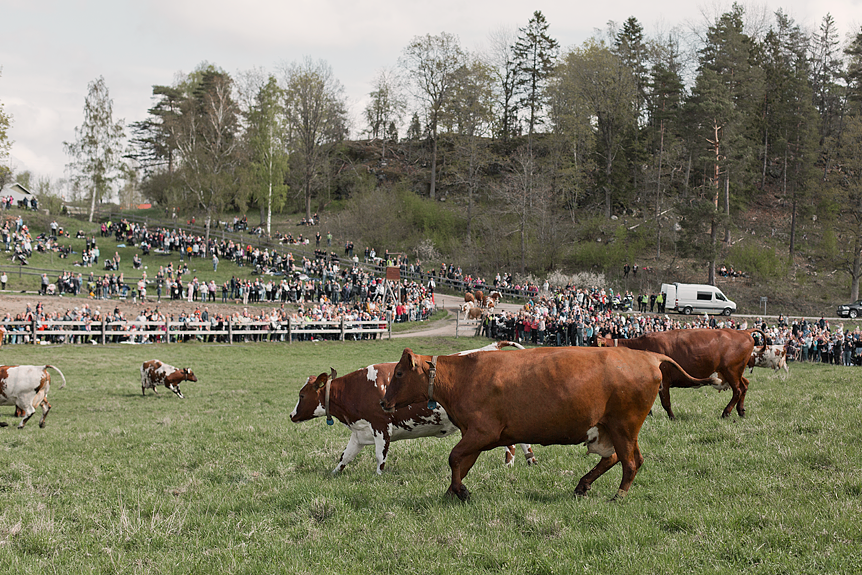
column 230, row 330
column 103, row 330
column 390, row 328
column 342, row 329
column 33, row 330
column 167, row 331
column 289, row 331
column 457, row 321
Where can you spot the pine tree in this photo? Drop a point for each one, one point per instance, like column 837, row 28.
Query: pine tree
column 535, row 55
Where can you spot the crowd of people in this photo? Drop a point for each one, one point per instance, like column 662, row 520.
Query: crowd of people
column 572, row 316
column 324, row 290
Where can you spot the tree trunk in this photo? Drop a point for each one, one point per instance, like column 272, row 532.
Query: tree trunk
column 92, row 204
column 658, row 194
column 432, row 193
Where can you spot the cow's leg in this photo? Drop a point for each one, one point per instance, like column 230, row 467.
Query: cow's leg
column 353, row 447
column 528, row 453
column 631, row 460
column 461, row 460
column 743, row 389
column 381, row 449
column 664, row 396
column 586, row 481
column 734, row 384
column 29, row 410
column 510, row 455
column 46, row 407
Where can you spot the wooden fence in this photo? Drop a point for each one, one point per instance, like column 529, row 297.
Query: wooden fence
column 107, row 332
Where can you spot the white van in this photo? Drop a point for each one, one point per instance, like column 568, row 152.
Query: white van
column 696, row 298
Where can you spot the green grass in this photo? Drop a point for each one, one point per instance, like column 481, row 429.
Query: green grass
column 223, row 482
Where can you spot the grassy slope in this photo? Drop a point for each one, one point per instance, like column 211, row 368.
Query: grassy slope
column 224, row 482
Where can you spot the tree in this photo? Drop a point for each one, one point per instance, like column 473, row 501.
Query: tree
column 316, row 117
column 97, row 150
column 843, row 203
column 501, row 61
column 722, row 111
column 432, row 64
column 5, row 145
column 790, row 118
column 267, row 165
column 535, row 55
column 386, row 107
column 207, row 139
column 601, row 83
column 469, row 113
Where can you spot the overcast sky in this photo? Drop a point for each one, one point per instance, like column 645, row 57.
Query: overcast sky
column 51, row 49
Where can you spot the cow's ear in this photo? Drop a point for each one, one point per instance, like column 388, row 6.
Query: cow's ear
column 320, row 381
column 408, row 353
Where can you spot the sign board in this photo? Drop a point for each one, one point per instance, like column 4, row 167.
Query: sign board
column 393, row 273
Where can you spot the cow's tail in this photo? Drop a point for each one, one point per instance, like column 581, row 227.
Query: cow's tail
column 762, row 336
column 58, row 371
column 675, row 376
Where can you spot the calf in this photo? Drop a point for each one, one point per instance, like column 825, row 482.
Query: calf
column 26, row 387
column 354, row 399
column 771, row 356
column 155, row 373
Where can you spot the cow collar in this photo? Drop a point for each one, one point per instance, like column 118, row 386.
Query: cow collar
column 329, row 420
column 432, row 373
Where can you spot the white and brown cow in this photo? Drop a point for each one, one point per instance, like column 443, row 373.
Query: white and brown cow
column 155, row 373
column 26, row 387
column 771, row 356
column 354, row 399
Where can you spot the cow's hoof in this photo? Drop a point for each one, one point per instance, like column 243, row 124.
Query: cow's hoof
column 619, row 496
column 581, row 491
column 462, row 493
column 725, row 415
column 3, row 424
column 532, row 461
column 42, row 425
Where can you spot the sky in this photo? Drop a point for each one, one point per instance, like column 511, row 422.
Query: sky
column 50, row 50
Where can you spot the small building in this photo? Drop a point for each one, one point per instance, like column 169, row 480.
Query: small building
column 18, row 193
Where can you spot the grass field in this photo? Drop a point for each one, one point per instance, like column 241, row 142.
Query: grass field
column 223, row 482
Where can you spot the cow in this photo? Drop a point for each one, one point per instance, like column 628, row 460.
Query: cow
column 466, row 307
column 701, row 352
column 356, row 404
column 565, row 396
column 469, row 297
column 772, row 356
column 26, row 387
column 475, row 313
column 155, row 373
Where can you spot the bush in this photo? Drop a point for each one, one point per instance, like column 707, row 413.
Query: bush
column 757, row 261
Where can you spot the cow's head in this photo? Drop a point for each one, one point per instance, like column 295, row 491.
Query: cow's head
column 409, row 382
column 188, row 375
column 310, row 404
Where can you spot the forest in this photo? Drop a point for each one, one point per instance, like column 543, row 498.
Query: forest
column 740, row 147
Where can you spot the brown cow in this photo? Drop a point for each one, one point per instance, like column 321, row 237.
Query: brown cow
column 566, row 396
column 701, row 352
column 155, row 373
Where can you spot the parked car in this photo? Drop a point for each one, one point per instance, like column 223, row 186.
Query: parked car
column 851, row 310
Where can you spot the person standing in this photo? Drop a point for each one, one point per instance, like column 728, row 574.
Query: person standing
column 3, row 279
column 215, row 262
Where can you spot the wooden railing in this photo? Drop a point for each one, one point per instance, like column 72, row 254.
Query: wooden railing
column 107, row 332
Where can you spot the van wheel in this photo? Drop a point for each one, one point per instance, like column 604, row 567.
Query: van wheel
column 686, row 310
column 852, row 314
column 726, row 311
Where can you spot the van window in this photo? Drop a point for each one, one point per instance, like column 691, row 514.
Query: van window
column 704, row 296
column 720, row 296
